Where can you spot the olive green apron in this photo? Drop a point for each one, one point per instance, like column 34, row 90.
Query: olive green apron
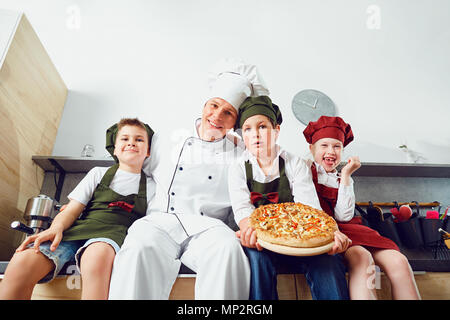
column 280, row 185
column 109, row 214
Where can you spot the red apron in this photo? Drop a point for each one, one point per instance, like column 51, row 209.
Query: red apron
column 360, row 234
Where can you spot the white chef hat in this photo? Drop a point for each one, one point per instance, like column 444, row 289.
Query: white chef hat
column 234, row 80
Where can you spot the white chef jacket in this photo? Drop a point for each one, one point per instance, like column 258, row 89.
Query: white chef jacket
column 296, row 169
column 345, row 204
column 186, row 225
column 192, row 184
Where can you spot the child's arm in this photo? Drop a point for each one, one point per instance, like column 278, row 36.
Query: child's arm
column 341, row 243
column 303, row 188
column 345, row 205
column 61, row 222
column 241, row 205
column 352, row 165
column 247, row 235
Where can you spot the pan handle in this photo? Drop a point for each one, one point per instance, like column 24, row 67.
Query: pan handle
column 361, row 211
column 417, row 208
column 19, row 226
column 396, row 204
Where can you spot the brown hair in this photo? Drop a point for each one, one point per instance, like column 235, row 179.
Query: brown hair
column 135, row 122
column 130, row 122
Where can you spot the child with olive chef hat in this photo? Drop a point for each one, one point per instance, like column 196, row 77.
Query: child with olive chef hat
column 109, row 201
column 265, row 174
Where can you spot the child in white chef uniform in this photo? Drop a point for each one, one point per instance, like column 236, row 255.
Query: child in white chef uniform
column 265, row 168
column 111, row 199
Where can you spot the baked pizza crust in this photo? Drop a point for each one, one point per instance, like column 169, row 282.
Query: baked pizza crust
column 293, row 224
column 313, row 242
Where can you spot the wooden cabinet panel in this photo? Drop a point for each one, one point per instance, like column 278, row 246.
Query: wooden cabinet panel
column 32, row 97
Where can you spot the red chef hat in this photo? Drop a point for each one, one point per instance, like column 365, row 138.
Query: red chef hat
column 328, row 127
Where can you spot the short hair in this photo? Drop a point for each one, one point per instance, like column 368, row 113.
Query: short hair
column 135, row 122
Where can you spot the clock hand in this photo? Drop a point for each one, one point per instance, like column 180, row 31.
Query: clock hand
column 308, row 104
column 315, row 102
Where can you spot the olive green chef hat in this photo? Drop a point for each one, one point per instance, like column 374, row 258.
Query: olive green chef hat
column 258, row 105
column 111, row 135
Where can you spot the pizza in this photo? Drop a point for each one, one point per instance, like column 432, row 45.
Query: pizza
column 293, row 224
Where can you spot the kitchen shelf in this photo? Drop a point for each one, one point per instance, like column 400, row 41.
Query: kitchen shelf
column 71, row 164
column 373, row 169
column 368, row 169
column 64, row 165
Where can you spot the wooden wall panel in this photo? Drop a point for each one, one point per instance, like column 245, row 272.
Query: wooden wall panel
column 32, row 97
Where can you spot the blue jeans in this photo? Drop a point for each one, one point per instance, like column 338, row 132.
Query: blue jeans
column 66, row 252
column 324, row 273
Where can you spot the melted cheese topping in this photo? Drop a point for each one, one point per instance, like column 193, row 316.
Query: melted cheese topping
column 294, row 220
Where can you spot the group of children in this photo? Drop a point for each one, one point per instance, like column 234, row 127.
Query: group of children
column 109, row 200
column 260, row 119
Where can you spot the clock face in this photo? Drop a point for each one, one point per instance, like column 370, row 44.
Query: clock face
column 309, row 105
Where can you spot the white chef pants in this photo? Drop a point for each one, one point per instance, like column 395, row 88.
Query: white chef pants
column 148, row 263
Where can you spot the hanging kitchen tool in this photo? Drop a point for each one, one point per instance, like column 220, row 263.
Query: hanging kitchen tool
column 404, row 213
column 395, row 210
column 39, row 214
column 444, row 215
column 430, row 226
column 364, row 217
column 410, row 231
column 375, row 212
column 390, row 204
column 382, row 222
column 445, row 237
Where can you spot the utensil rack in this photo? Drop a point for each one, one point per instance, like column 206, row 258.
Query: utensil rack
column 391, row 204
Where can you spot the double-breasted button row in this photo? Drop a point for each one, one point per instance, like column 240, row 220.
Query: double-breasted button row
column 181, row 169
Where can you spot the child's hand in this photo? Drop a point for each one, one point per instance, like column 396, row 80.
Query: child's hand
column 352, row 165
column 247, row 235
column 341, row 243
column 54, row 234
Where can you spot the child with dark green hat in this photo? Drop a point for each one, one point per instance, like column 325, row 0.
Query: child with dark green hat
column 268, row 174
column 109, row 200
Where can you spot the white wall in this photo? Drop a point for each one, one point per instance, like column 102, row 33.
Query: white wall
column 8, row 24
column 149, row 58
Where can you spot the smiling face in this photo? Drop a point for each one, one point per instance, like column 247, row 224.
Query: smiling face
column 327, row 152
column 131, row 147
column 260, row 136
column 217, row 118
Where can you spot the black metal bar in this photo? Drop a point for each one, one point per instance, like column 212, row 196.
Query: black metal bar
column 62, row 175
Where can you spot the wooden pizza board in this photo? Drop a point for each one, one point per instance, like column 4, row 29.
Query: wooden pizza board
column 292, row 251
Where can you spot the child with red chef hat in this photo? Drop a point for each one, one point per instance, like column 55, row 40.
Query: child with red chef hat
column 327, row 138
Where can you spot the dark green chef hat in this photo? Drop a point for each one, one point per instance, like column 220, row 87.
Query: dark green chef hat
column 111, row 135
column 258, row 105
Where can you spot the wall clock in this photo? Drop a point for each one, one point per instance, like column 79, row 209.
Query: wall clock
column 308, row 105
